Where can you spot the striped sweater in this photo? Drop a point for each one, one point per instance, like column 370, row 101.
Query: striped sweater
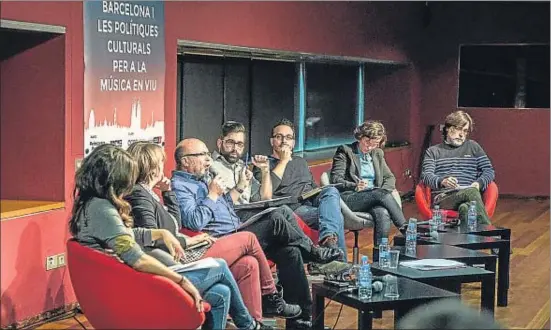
column 468, row 163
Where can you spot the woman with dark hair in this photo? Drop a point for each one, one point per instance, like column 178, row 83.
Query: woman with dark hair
column 369, row 185
column 101, row 220
column 241, row 251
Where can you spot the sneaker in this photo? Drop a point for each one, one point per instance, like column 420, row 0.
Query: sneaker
column 273, row 305
column 261, row 326
column 325, row 255
column 330, row 241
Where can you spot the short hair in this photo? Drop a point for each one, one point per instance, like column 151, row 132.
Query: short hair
column 284, row 122
column 371, row 129
column 457, row 118
column 232, row 127
column 447, row 314
column 149, row 157
column 178, row 155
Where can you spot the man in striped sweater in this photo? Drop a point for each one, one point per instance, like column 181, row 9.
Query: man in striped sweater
column 458, row 163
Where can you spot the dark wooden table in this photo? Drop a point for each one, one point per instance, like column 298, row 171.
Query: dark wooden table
column 476, row 242
column 449, row 279
column 412, row 294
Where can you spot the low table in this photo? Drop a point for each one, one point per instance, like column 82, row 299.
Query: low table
column 412, row 294
column 476, row 242
column 449, row 279
column 481, row 230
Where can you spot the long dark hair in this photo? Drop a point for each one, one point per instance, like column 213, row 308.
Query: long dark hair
column 109, row 172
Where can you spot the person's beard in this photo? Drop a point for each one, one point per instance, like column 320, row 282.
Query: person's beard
column 456, row 142
column 232, row 159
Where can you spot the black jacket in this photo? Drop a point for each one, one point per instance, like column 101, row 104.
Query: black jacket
column 346, row 168
column 149, row 213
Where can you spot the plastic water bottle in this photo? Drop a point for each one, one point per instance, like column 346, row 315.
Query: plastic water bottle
column 365, row 290
column 471, row 216
column 437, row 216
column 384, row 249
column 411, row 237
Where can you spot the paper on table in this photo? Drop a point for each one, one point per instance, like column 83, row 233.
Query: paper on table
column 199, row 264
column 430, row 264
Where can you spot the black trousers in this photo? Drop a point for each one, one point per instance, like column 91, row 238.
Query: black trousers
column 380, row 204
column 284, row 242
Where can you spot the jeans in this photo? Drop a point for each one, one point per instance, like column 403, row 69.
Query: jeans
column 284, row 242
column 219, row 289
column 370, row 200
column 249, row 267
column 325, row 215
column 460, row 201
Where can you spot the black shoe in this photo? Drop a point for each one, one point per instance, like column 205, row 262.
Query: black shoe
column 324, row 255
column 273, row 305
column 403, row 229
column 330, row 241
column 301, row 324
column 261, row 326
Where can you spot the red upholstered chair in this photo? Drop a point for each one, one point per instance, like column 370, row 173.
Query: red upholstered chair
column 423, row 200
column 112, row 295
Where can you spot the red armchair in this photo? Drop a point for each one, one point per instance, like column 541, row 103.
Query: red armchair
column 115, row 296
column 423, row 200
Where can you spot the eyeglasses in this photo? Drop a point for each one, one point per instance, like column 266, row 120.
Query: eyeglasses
column 280, row 137
column 233, row 144
column 200, row 154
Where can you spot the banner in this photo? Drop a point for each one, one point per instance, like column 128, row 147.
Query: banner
column 124, row 72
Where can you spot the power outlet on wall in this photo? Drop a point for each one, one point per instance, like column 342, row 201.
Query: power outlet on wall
column 61, row 260
column 51, row 262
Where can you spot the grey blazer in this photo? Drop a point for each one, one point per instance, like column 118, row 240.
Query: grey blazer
column 346, row 168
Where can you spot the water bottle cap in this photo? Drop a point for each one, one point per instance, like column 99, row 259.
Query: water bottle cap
column 384, row 240
column 436, row 207
column 365, row 259
column 412, row 220
column 473, row 202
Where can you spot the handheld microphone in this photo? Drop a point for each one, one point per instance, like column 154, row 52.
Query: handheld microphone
column 432, row 234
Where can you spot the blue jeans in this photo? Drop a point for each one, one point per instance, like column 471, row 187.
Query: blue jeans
column 324, row 214
column 217, row 286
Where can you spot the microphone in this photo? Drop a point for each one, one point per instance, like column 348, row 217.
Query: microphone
column 213, row 172
column 432, row 234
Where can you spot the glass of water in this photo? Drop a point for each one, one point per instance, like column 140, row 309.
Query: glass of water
column 391, row 286
column 393, row 258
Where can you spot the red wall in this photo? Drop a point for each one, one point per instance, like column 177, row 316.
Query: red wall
column 517, row 141
column 32, row 100
column 26, row 288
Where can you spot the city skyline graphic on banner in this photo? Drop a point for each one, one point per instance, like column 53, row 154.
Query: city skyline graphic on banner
column 100, row 130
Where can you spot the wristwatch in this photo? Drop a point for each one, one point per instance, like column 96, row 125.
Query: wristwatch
column 239, row 190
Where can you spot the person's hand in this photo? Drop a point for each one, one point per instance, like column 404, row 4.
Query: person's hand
column 200, row 238
column 262, row 163
column 450, row 182
column 361, row 185
column 245, row 178
column 164, row 184
column 285, row 153
column 216, row 187
column 476, row 185
column 194, row 293
column 173, row 245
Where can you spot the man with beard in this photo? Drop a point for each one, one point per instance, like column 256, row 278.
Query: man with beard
column 207, row 205
column 291, row 176
column 458, row 163
column 228, row 164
